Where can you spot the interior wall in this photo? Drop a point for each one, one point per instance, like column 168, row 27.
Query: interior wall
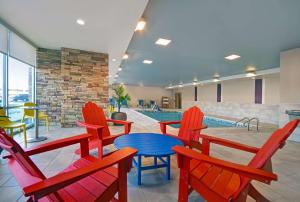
column 238, row 90
column 206, row 92
column 289, row 87
column 272, row 89
column 146, row 93
column 290, row 76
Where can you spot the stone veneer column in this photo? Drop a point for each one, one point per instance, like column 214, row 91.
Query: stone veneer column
column 84, row 78
column 68, row 78
column 48, row 80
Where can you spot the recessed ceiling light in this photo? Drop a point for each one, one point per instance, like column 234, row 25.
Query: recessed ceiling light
column 80, row 21
column 147, row 62
column 251, row 74
column 125, row 56
column 250, row 71
column 216, row 77
column 119, row 69
column 116, row 75
column 114, row 60
column 140, row 25
column 163, row 42
column 232, row 57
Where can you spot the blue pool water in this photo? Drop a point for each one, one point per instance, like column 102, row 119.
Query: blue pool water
column 211, row 122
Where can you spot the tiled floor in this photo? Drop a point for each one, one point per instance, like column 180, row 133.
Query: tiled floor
column 286, row 164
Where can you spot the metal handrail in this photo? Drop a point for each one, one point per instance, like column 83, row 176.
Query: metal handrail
column 240, row 121
column 248, row 121
column 257, row 122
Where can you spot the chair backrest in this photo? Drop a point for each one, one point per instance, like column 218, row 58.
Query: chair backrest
column 191, row 118
column 3, row 119
column 93, row 114
column 28, row 112
column 275, row 142
column 11, row 146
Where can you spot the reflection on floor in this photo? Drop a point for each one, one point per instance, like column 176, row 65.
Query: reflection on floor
column 155, row 187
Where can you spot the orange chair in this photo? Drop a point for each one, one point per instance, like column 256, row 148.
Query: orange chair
column 190, row 125
column 87, row 179
column 219, row 180
column 96, row 125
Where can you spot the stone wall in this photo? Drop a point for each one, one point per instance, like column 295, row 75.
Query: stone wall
column 68, row 78
column 48, row 80
column 266, row 113
column 84, row 78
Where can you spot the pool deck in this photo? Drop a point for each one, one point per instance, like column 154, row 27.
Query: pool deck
column 155, row 187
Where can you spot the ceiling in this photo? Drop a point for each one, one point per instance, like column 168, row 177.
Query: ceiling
column 52, row 24
column 203, row 32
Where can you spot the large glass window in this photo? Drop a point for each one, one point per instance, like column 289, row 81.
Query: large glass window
column 1, row 78
column 17, row 66
column 20, row 86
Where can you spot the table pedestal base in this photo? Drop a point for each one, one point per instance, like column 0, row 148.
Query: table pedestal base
column 164, row 163
column 37, row 139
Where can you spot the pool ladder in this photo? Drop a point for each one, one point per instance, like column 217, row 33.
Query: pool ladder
column 247, row 120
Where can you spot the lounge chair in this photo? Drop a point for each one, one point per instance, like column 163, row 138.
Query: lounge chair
column 87, row 179
column 219, row 180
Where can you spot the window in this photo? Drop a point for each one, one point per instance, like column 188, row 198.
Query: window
column 258, row 91
column 20, row 86
column 219, row 92
column 17, row 78
column 1, row 78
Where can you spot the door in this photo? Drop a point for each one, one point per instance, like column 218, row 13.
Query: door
column 178, row 100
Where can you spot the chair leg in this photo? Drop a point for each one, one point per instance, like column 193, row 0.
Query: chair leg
column 183, row 192
column 47, row 123
column 122, row 172
column 25, row 136
column 100, row 150
column 11, row 132
column 23, row 119
column 256, row 195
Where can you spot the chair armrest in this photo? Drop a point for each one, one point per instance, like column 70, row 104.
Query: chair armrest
column 57, row 182
column 169, row 122
column 56, row 144
column 119, row 121
column 163, row 125
column 198, row 128
column 127, row 124
column 90, row 126
column 246, row 171
column 209, row 139
column 98, row 128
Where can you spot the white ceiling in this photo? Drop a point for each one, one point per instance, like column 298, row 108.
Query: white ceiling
column 52, row 24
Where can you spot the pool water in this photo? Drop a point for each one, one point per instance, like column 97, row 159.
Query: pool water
column 210, row 121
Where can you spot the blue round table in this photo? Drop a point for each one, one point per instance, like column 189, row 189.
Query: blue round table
column 153, row 145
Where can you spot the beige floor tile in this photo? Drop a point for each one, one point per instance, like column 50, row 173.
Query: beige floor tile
column 155, row 187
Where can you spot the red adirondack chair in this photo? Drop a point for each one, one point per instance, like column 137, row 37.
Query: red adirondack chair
column 190, row 125
column 87, row 179
column 96, row 125
column 219, row 180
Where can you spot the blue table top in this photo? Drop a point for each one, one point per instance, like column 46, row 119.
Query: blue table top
column 151, row 144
